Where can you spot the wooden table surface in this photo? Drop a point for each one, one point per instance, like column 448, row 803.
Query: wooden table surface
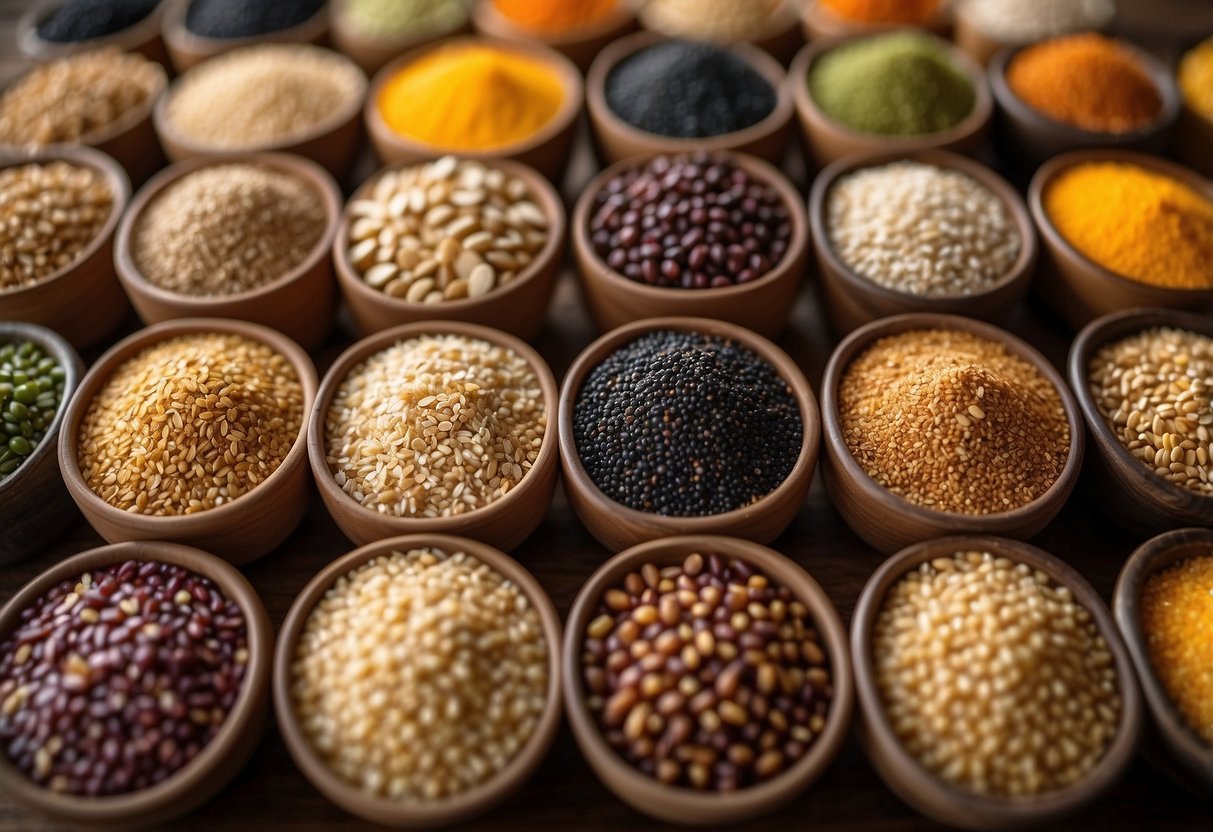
column 270, row 794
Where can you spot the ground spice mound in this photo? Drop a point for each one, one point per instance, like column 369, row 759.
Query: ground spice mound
column 953, row 422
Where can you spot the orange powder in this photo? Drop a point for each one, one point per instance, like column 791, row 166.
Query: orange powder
column 883, row 11
column 555, row 16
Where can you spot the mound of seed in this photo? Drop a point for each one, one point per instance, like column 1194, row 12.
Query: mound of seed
column 247, row 18
column 31, row 390
column 921, row 229
column 69, row 99
column 227, row 228
column 706, row 675
column 1154, row 391
column 686, row 425
column 691, row 222
column 113, row 682
column 445, row 230
column 435, row 426
column 77, row 20
column 953, row 422
column 49, row 214
column 420, row 676
column 994, row 677
column 189, row 424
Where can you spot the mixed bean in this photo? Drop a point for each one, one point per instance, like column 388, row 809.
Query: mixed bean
column 31, row 390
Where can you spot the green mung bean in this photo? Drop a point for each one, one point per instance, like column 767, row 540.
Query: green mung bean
column 31, row 389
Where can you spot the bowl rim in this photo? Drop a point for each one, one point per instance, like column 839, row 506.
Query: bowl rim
column 756, row 168
column 465, row 804
column 1053, row 237
column 103, row 368
column 927, row 787
column 174, row 29
column 863, row 337
column 642, row 790
column 543, row 195
column 240, row 720
column 316, row 178
column 29, row 42
column 360, row 351
column 487, row 18
column 810, row 420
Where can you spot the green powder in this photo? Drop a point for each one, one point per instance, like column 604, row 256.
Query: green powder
column 401, row 18
column 903, row 84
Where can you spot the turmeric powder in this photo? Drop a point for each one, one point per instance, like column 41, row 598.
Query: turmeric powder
column 1145, row 226
column 1195, row 78
column 471, row 97
column 555, row 16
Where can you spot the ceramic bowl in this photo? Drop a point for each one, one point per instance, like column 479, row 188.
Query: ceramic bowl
column 888, row 521
column 35, row 509
column 83, row 301
column 209, row 772
column 921, row 788
column 371, row 50
column 782, row 37
column 615, row 525
column 300, row 303
column 239, row 531
column 505, row 522
column 1128, row 491
column 142, row 37
column 686, row 806
column 462, row 806
column 823, row 24
column 615, row 139
column 547, row 150
column 1187, row 757
column 828, row 141
column 983, row 46
column 853, row 300
column 762, row 305
column 185, row 49
column 580, row 45
column 1079, row 289
column 519, row 308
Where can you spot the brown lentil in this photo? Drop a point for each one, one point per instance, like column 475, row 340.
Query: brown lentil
column 994, row 677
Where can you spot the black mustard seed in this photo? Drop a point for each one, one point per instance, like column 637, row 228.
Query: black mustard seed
column 247, row 18
column 78, row 20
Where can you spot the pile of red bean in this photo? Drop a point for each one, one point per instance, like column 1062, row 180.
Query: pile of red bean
column 691, row 221
column 112, row 683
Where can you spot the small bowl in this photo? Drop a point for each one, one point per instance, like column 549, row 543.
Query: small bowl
column 332, row 144
column 682, row 805
column 782, row 38
column 240, row 531
column 547, row 150
column 1028, row 137
column 519, row 308
column 828, row 141
column 580, row 46
column 211, row 770
column 142, row 37
column 35, row 509
column 921, row 788
column 383, row 810
column 888, row 521
column 185, row 49
column 983, row 47
column 1079, row 289
column 617, row 526
column 1185, row 756
column 823, row 24
column 371, row 51
column 762, row 305
column 83, row 300
column 615, row 139
column 853, row 300
column 1129, row 493
column 300, row 303
column 504, row 523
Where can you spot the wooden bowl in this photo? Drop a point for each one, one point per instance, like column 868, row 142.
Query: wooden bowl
column 519, row 308
column 35, row 509
column 828, row 141
column 616, row 139
column 185, row 49
column 1027, row 137
column 211, row 770
column 451, row 810
column 371, row 51
column 921, row 788
column 686, row 806
column 333, row 144
column 580, row 46
column 982, row 47
column 505, row 522
column 83, row 301
column 762, row 305
column 854, row 300
column 240, row 531
column 547, row 150
column 1188, row 758
column 1130, row 493
column 617, row 526
column 888, row 521
column 300, row 303
column 823, row 24
column 1079, row 289
column 142, row 37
